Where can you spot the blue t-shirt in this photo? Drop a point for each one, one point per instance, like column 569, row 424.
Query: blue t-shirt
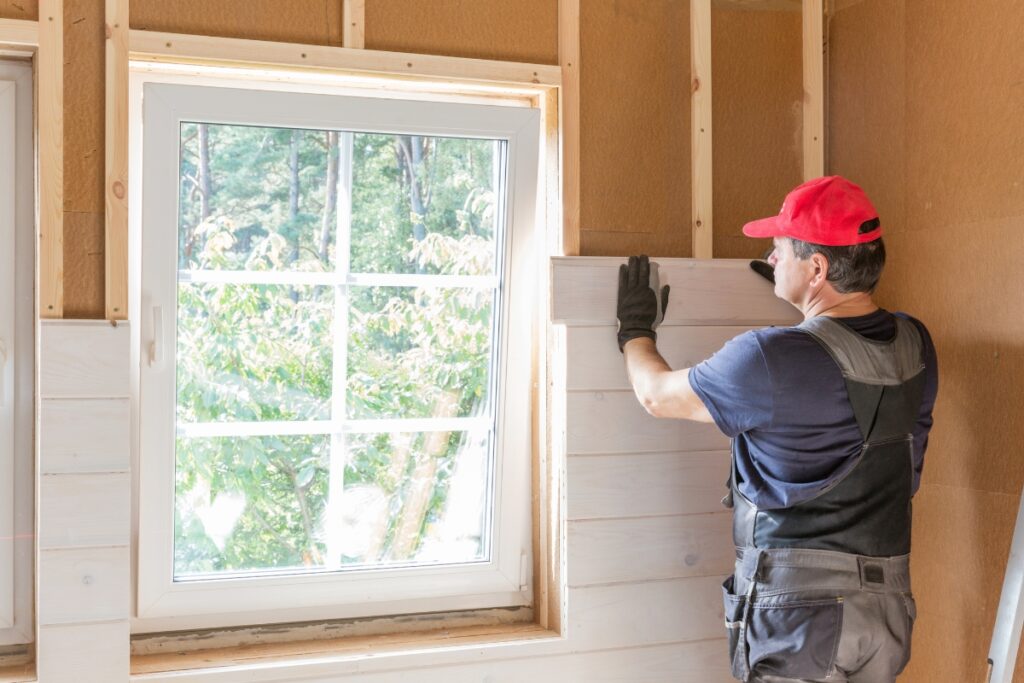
column 783, row 395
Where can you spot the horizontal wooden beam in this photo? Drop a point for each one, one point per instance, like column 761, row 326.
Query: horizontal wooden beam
column 19, row 33
column 190, row 49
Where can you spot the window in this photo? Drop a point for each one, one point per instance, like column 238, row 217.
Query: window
column 335, row 374
column 17, row 256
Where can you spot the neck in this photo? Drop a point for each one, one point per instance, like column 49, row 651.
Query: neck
column 835, row 305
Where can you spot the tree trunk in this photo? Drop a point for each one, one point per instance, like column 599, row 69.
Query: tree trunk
column 293, row 203
column 331, row 198
column 409, row 532
column 293, row 187
column 205, row 182
column 410, row 159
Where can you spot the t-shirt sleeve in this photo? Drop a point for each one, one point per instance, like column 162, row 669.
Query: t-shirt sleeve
column 735, row 386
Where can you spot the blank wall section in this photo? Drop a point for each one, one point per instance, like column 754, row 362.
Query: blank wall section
column 83, row 158
column 924, row 112
column 296, row 21
column 635, row 127
column 511, row 30
column 756, row 61
column 19, row 9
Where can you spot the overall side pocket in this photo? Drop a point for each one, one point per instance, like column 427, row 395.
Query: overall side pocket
column 794, row 638
column 734, row 628
column 911, row 608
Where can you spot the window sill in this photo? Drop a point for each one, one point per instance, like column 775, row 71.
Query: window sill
column 18, row 673
column 296, row 657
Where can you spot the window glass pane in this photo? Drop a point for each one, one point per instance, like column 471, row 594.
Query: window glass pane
column 423, row 204
column 267, row 347
column 414, row 498
column 254, row 352
column 244, row 504
column 256, row 198
column 264, row 504
column 419, row 352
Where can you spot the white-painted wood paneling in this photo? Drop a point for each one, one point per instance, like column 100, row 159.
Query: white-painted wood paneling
column 700, row 662
column 643, row 484
column 634, row 614
column 596, row 362
column 612, row 618
column 84, row 435
column 648, row 548
column 84, row 510
column 83, row 359
column 84, row 502
column 693, row 662
column 83, row 585
column 85, row 653
column 717, row 292
column 615, row 422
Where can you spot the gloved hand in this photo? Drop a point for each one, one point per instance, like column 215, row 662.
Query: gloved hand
column 638, row 311
column 764, row 269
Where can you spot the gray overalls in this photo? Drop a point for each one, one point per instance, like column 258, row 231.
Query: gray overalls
column 822, row 589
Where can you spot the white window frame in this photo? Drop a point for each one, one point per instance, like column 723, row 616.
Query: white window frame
column 17, row 342
column 160, row 103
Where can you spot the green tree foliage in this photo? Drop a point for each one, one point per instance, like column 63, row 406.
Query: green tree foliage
column 263, row 199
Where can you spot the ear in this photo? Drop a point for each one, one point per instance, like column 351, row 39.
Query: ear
column 820, row 265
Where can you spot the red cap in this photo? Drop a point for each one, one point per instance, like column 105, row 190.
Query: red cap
column 831, row 211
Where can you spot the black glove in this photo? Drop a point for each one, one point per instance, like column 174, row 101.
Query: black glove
column 764, row 269
column 638, row 312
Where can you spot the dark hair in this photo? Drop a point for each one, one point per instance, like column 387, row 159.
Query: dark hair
column 856, row 268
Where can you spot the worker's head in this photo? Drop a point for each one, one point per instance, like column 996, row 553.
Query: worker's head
column 827, row 239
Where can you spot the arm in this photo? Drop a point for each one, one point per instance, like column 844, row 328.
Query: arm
column 662, row 391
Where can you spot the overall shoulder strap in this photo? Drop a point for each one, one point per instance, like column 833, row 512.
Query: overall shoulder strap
column 867, row 361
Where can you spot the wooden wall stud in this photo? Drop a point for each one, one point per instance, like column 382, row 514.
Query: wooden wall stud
column 50, row 85
column 116, row 185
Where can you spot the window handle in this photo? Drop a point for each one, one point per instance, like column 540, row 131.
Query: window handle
column 156, row 347
column 3, row 376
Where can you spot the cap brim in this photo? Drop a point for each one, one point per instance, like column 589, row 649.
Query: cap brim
column 765, row 227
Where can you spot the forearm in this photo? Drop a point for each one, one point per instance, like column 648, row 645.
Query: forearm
column 662, row 391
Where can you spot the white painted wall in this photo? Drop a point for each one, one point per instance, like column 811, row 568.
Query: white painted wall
column 647, row 541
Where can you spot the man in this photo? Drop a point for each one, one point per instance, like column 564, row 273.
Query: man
column 829, row 421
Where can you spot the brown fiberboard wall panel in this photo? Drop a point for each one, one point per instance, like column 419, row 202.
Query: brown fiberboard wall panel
column 920, row 114
column 84, row 265
column 84, row 105
column 511, row 30
column 757, row 119
column 965, row 95
column 961, row 542
column 635, row 127
column 19, row 9
column 866, row 105
column 84, row 83
column 316, row 22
